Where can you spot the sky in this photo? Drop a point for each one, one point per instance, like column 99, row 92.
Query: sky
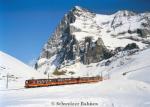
column 26, row 25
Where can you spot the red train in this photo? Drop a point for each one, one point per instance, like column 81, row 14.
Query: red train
column 60, row 81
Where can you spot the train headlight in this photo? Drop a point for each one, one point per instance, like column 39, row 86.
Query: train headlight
column 26, row 82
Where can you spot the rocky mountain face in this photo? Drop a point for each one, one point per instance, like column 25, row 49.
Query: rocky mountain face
column 85, row 37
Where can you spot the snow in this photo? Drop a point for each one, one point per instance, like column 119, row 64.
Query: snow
column 87, row 26
column 130, row 90
column 47, row 62
column 101, row 19
column 112, row 39
column 112, row 43
column 123, row 93
column 78, row 7
column 18, row 71
column 105, row 27
column 16, row 67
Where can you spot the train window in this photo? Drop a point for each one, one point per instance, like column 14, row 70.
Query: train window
column 38, row 81
column 43, row 81
column 33, row 82
column 59, row 80
column 30, row 82
column 53, row 80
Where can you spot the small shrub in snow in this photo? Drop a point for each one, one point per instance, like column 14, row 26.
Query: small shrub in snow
column 56, row 72
column 131, row 46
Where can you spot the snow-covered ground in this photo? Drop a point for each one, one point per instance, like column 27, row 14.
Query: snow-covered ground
column 129, row 90
column 110, row 93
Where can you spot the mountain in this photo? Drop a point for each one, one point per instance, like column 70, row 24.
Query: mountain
column 85, row 37
column 18, row 72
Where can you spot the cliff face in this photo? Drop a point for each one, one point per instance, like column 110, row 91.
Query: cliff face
column 80, row 37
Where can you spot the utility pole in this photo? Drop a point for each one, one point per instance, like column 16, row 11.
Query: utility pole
column 102, row 75
column 7, row 80
column 48, row 75
column 108, row 75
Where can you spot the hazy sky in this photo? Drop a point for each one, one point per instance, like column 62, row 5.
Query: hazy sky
column 25, row 25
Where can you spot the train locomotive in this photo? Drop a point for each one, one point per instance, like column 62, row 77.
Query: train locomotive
column 32, row 83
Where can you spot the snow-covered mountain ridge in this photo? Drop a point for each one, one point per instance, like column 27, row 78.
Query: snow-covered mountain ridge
column 86, row 37
column 18, row 71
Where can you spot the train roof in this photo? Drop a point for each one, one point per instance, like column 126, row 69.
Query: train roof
column 62, row 78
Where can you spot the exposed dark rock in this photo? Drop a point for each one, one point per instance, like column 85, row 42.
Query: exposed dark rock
column 118, row 49
column 143, row 32
column 108, row 62
column 131, row 46
column 95, row 51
